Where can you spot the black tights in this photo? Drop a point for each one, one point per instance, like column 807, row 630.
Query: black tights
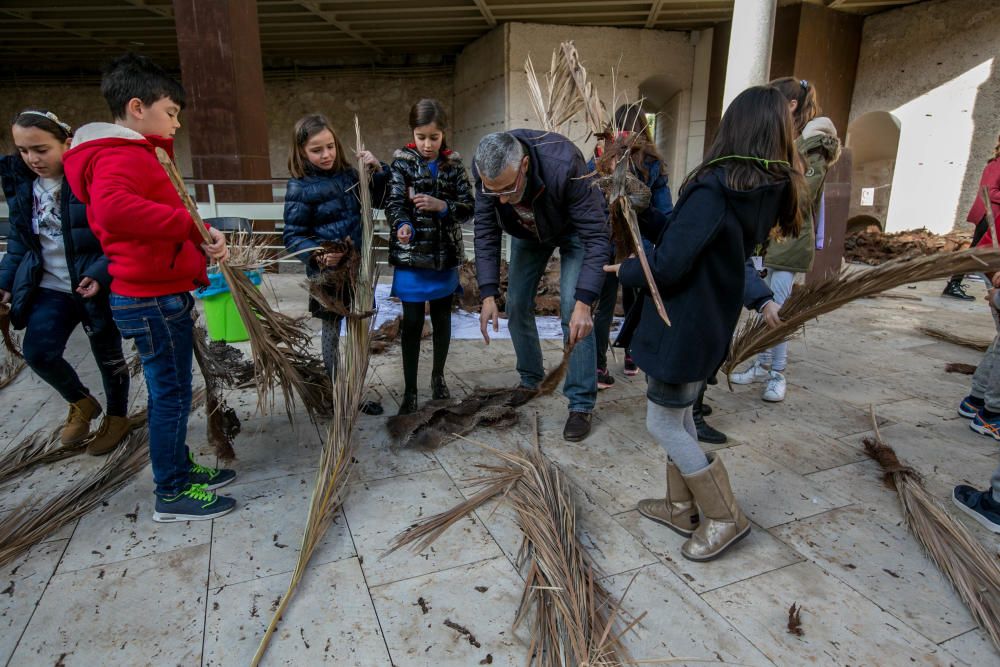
column 413, row 327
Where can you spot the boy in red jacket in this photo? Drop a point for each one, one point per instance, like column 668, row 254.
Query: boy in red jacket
column 156, row 258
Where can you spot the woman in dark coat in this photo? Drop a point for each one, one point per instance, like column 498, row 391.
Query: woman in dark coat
column 429, row 199
column 747, row 186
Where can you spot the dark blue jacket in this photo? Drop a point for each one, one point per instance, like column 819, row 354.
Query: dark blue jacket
column 699, row 265
column 564, row 203
column 21, row 268
column 324, row 206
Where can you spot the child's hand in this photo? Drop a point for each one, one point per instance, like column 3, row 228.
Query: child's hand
column 370, row 160
column 770, row 313
column 612, row 268
column 217, row 249
column 88, row 288
column 428, row 203
column 330, row 259
column 404, row 233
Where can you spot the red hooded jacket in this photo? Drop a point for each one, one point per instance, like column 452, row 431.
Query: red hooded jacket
column 153, row 245
column 991, row 181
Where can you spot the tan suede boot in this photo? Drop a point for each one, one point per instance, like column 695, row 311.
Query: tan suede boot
column 722, row 523
column 677, row 511
column 109, row 434
column 77, row 425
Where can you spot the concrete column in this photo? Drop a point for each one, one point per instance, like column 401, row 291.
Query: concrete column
column 749, row 62
column 219, row 44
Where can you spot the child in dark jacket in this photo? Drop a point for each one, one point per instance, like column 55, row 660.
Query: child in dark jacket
column 322, row 205
column 429, row 199
column 727, row 207
column 157, row 257
column 54, row 276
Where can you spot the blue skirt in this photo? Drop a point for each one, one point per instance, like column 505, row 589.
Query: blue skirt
column 418, row 285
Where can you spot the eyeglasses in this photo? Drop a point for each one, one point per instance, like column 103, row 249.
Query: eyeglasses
column 514, row 189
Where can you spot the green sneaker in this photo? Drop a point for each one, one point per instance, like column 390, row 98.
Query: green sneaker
column 210, row 478
column 195, row 503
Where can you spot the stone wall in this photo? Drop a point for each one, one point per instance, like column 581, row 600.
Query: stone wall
column 934, row 67
column 480, row 91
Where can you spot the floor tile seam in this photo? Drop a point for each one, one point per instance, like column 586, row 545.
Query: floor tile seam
column 368, row 588
column 45, row 589
column 208, row 578
column 311, row 471
column 852, row 502
column 217, row 586
column 128, row 560
column 501, row 555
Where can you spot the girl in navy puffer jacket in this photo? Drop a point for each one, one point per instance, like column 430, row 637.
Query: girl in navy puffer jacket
column 321, row 204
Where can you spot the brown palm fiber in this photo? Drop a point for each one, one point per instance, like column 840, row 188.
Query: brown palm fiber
column 960, row 368
column 972, row 571
column 222, row 424
column 12, row 362
column 808, row 302
column 978, row 344
column 337, row 458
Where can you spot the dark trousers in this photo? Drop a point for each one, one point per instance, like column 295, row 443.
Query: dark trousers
column 977, row 236
column 413, row 329
column 53, row 317
column 604, row 316
column 163, row 332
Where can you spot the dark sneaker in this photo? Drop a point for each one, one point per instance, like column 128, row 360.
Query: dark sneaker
column 986, row 425
column 970, row 407
column 577, row 426
column 708, row 434
column 605, row 380
column 371, row 408
column 409, row 404
column 956, row 290
column 210, row 478
column 631, row 370
column 439, row 390
column 195, row 503
column 979, row 505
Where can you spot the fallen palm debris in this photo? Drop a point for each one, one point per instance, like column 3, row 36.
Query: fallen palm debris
column 978, row 344
column 875, row 247
column 222, row 423
column 960, row 368
column 795, row 620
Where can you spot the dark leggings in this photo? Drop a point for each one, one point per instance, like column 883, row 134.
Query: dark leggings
column 977, row 236
column 413, row 327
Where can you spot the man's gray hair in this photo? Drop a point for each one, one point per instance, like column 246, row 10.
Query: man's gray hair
column 496, row 152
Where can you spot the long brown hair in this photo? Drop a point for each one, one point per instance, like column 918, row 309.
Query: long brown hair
column 428, row 111
column 996, row 151
column 755, row 143
column 805, row 94
column 630, row 118
column 305, row 129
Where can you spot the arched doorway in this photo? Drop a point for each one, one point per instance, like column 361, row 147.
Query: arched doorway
column 874, row 141
column 667, row 104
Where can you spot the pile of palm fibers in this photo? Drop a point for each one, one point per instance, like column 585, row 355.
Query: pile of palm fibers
column 808, row 302
column 279, row 344
column 34, row 520
column 576, row 619
column 222, row 423
column 13, row 362
column 972, row 571
column 337, row 458
column 978, row 344
column 333, row 287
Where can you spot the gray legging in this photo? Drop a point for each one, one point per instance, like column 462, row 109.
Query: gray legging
column 780, row 283
column 674, row 429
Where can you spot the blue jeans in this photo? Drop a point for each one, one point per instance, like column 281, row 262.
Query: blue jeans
column 53, row 317
column 604, row 318
column 163, row 331
column 528, row 259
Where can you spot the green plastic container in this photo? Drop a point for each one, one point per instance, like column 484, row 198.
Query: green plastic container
column 221, row 317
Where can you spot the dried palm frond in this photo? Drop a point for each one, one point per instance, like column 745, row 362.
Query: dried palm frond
column 277, row 341
column 221, row 421
column 978, row 344
column 972, row 571
column 807, row 302
column 10, row 368
column 960, row 368
column 10, row 341
column 568, row 92
column 576, row 619
column 247, row 251
column 42, row 446
column 333, row 287
column 337, row 457
column 229, row 365
column 34, row 520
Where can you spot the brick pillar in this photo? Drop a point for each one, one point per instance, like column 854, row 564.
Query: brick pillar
column 219, row 44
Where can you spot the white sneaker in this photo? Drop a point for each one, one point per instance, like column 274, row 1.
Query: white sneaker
column 755, row 373
column 775, row 389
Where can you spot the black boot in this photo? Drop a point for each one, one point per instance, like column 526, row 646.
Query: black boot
column 705, row 432
column 956, row 290
column 439, row 388
column 409, row 403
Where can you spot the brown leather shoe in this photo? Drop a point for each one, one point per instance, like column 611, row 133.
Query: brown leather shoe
column 721, row 521
column 677, row 511
column 77, row 425
column 577, row 426
column 109, row 434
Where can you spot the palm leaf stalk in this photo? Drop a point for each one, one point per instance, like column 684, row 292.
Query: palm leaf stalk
column 278, row 343
column 972, row 571
column 576, row 619
column 13, row 361
column 34, row 520
column 978, row 344
column 808, row 302
column 221, row 421
column 337, row 457
column 568, row 92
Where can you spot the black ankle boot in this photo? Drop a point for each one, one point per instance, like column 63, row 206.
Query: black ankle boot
column 409, row 403
column 956, row 290
column 705, row 432
column 438, row 387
